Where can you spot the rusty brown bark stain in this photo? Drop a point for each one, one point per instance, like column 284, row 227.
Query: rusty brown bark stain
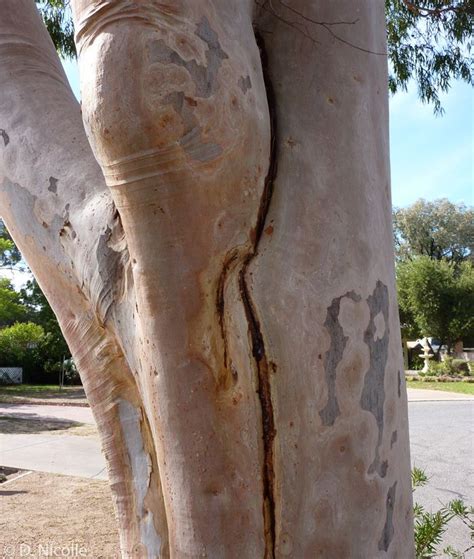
column 264, row 367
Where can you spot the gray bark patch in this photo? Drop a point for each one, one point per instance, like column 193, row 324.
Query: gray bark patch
column 388, row 530
column 5, row 136
column 393, row 440
column 373, row 393
column 197, row 149
column 204, row 77
column 333, row 356
column 53, row 185
column 245, row 84
column 399, row 384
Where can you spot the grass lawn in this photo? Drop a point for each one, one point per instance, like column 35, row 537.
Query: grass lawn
column 42, row 393
column 460, row 387
column 20, row 389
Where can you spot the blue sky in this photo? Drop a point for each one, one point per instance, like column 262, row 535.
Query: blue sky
column 431, row 156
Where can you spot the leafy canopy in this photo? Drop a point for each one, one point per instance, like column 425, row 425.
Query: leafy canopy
column 428, row 40
column 11, row 308
column 440, row 230
column 30, row 335
column 17, row 341
column 436, row 298
column 9, row 253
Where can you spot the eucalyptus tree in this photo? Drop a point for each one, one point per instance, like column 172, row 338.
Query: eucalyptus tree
column 212, row 228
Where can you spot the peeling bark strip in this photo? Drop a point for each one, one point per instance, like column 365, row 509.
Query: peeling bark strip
column 334, row 355
column 141, row 466
column 388, row 530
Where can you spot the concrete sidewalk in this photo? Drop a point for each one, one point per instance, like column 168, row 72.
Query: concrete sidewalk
column 53, row 453
column 427, row 395
column 56, row 454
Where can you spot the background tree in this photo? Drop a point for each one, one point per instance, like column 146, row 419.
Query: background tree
column 19, row 346
column 11, row 308
column 21, row 309
column 436, row 298
column 429, row 41
column 440, row 230
column 52, row 349
column 9, row 254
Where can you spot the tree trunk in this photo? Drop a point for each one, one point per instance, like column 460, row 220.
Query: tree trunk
column 228, row 291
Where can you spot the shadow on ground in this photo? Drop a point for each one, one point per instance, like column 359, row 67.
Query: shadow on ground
column 30, row 423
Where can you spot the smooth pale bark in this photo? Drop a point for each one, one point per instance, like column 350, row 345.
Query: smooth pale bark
column 228, row 291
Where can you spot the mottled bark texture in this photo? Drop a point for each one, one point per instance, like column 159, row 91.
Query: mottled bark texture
column 221, row 265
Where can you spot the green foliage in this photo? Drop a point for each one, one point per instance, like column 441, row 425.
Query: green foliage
column 418, row 478
column 430, row 526
column 11, row 309
column 450, row 367
column 441, row 383
column 58, row 20
column 429, row 41
column 436, row 297
column 440, row 230
column 29, row 306
column 18, row 342
column 53, row 347
column 9, row 254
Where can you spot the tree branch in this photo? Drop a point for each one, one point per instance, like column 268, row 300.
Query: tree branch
column 430, row 12
column 267, row 6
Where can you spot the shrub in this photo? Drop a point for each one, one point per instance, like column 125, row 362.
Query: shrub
column 449, row 367
column 461, row 367
column 18, row 342
column 430, row 526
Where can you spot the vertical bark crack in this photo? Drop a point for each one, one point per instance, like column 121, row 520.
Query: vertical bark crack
column 268, row 421
column 263, row 366
column 258, row 344
column 220, row 299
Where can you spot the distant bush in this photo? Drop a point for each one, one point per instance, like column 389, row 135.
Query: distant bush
column 450, row 367
column 18, row 343
column 39, row 353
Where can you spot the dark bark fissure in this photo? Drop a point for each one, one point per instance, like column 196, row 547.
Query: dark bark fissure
column 264, row 367
column 220, row 299
column 266, row 404
column 258, row 345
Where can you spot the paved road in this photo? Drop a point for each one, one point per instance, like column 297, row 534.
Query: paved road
column 442, row 443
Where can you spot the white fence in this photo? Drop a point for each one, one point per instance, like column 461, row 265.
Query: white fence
column 11, row 375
